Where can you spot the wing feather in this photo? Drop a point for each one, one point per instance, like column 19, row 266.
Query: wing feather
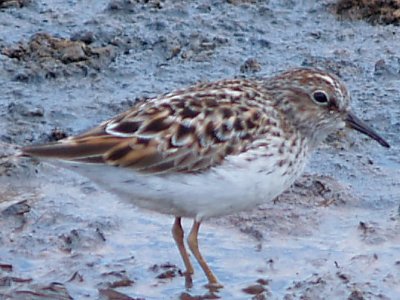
column 185, row 131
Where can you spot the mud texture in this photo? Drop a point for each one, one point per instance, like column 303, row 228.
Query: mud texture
column 47, row 57
column 68, row 65
column 373, row 11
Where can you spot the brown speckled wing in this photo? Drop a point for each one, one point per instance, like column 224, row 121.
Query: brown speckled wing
column 184, row 131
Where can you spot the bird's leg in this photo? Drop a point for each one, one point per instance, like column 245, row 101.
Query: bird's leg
column 177, row 233
column 194, row 247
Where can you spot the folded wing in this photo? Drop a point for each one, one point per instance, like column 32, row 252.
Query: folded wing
column 186, row 131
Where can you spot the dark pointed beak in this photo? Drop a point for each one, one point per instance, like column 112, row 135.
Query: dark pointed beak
column 355, row 123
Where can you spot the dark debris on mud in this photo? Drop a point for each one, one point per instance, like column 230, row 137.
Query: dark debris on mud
column 130, row 6
column 14, row 3
column 55, row 290
column 259, row 290
column 373, row 11
column 47, row 57
column 166, row 271
column 111, row 294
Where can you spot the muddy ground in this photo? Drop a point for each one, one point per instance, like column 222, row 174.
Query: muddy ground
column 67, row 65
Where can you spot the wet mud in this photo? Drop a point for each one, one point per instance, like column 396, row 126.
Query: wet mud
column 66, row 66
column 372, row 11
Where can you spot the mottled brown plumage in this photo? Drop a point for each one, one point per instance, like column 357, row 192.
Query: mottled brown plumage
column 185, row 131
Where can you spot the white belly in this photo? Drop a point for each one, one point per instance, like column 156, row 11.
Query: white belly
column 236, row 185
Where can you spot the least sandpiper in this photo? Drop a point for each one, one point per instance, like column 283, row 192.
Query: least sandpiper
column 211, row 149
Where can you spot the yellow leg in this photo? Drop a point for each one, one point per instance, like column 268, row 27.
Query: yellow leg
column 194, row 247
column 177, row 233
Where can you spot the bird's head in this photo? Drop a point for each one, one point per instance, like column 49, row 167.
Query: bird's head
column 317, row 103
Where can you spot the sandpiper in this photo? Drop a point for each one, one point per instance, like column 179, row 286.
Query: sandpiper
column 211, row 149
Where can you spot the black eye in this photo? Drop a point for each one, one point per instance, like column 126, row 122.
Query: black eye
column 320, row 97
